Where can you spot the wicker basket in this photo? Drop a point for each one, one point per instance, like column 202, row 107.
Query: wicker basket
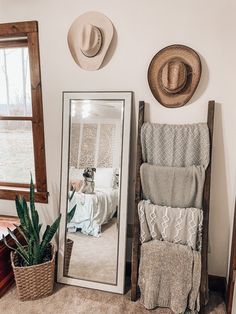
column 68, row 251
column 34, row 282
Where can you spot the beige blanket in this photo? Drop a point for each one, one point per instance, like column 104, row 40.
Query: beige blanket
column 173, row 186
column 176, row 225
column 169, row 276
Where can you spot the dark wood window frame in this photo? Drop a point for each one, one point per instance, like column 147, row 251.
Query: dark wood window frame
column 25, row 34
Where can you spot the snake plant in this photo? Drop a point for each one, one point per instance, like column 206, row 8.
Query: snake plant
column 71, row 213
column 34, row 252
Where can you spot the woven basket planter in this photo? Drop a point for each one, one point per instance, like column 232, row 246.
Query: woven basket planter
column 34, row 282
column 68, row 251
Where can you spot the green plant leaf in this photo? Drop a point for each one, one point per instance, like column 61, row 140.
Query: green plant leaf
column 18, row 251
column 23, row 208
column 37, row 254
column 32, row 205
column 20, row 211
column 35, row 220
column 21, row 231
column 25, row 231
column 50, row 233
column 40, row 226
column 45, row 232
column 34, row 213
column 72, row 195
column 5, row 242
column 29, row 224
column 18, row 244
column 71, row 213
column 31, row 251
column 14, row 249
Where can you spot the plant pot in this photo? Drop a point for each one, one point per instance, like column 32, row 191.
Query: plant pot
column 34, row 282
column 68, row 251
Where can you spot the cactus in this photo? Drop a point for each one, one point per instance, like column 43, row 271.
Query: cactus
column 34, row 252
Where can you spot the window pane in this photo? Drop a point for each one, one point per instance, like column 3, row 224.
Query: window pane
column 15, row 87
column 16, row 151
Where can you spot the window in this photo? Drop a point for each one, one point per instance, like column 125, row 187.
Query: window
column 22, row 149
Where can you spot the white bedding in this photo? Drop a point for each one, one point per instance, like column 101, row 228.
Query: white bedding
column 93, row 210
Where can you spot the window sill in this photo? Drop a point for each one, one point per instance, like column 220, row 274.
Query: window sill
column 7, row 193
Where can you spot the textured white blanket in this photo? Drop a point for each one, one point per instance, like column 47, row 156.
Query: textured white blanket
column 176, row 225
column 93, row 210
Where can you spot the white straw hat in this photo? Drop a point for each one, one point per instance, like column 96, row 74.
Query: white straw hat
column 89, row 38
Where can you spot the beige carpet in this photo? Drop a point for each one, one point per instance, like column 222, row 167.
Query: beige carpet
column 74, row 300
column 95, row 258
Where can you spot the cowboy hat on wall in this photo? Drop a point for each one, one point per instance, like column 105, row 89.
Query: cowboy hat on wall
column 89, row 38
column 174, row 74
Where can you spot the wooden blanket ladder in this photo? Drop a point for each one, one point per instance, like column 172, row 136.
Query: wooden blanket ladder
column 206, row 208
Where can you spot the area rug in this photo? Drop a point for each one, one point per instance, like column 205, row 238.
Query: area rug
column 95, row 258
column 73, row 300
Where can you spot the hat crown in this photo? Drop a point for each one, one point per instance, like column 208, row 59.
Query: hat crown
column 173, row 76
column 90, row 39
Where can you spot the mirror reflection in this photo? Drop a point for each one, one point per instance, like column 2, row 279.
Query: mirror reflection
column 93, row 190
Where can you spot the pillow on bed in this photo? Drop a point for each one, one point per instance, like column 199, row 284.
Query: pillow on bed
column 103, row 177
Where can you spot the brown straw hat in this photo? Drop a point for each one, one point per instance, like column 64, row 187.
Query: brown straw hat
column 174, row 74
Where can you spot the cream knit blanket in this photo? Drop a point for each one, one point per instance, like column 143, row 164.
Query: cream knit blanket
column 173, row 186
column 169, row 276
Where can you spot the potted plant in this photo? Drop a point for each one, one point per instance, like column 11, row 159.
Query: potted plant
column 69, row 242
column 34, row 264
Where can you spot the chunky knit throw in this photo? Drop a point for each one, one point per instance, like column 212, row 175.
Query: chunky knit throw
column 169, row 276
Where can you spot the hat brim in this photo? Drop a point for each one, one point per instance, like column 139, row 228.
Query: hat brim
column 193, row 63
column 105, row 25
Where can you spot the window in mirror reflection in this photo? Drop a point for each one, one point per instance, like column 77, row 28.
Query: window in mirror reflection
column 94, row 176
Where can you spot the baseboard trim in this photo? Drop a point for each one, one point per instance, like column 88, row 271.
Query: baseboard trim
column 216, row 283
column 128, row 269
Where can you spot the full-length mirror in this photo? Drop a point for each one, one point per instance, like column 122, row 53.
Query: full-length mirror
column 95, row 156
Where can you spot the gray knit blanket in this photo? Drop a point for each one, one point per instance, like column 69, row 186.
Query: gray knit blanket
column 173, row 186
column 175, row 145
column 169, row 276
column 176, row 225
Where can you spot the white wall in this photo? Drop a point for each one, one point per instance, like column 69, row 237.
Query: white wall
column 144, row 27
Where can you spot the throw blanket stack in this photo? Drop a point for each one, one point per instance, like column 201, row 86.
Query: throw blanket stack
column 172, row 176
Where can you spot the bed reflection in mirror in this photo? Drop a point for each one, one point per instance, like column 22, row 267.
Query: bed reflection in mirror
column 93, row 190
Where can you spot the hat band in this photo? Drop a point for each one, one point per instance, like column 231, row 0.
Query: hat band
column 98, row 46
column 173, row 76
